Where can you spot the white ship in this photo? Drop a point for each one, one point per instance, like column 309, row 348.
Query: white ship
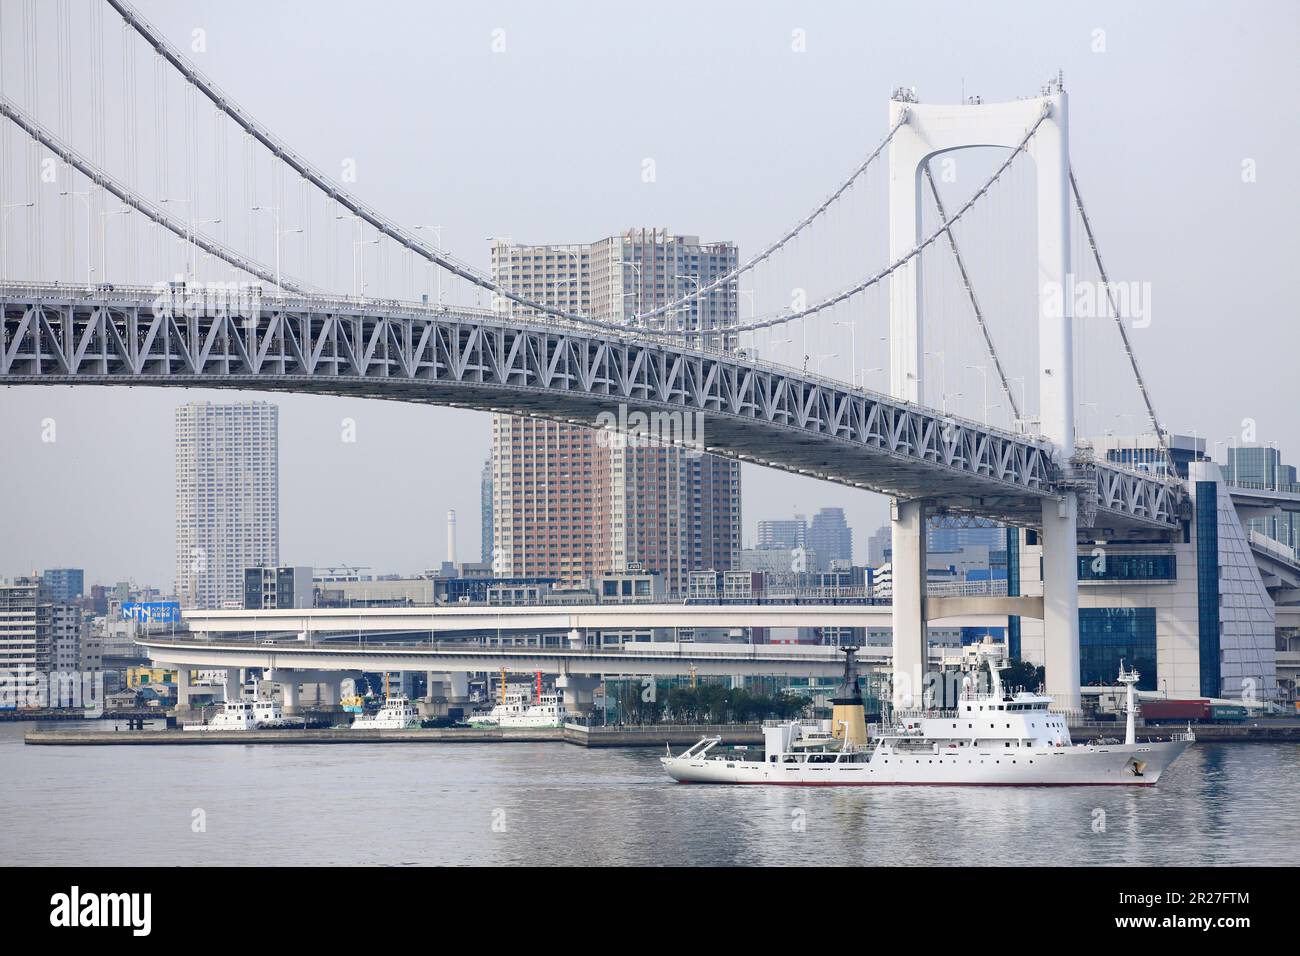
column 398, row 713
column 268, row 714
column 515, row 711
column 547, row 712
column 999, row 738
column 246, row 713
column 513, row 706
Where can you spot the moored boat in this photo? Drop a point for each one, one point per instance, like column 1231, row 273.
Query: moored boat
column 397, row 713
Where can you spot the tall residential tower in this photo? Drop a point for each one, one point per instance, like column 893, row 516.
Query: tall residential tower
column 570, row 503
column 227, row 499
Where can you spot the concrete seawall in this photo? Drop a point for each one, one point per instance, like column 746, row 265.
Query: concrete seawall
column 655, row 735
column 648, row 736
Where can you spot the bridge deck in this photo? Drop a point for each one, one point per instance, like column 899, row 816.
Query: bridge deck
column 725, row 403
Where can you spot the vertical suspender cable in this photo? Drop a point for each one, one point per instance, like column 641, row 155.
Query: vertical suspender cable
column 970, row 292
column 1161, row 435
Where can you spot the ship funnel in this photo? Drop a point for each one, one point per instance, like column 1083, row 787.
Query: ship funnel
column 848, row 714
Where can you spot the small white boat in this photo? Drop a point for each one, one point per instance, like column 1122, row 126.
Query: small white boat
column 516, row 711
column 398, row 713
column 514, row 705
column 246, row 714
column 268, row 714
column 547, row 712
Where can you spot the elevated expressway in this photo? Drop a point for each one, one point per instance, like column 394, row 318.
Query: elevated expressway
column 332, row 639
column 659, row 659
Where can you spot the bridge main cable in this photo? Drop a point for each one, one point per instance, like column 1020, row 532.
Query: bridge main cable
column 318, row 179
column 102, row 179
column 943, row 229
column 808, row 220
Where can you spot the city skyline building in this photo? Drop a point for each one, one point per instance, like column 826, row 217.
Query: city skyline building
column 62, row 584
column 783, row 533
column 1144, row 452
column 1258, row 466
column 569, row 502
column 18, row 663
column 227, row 499
column 880, row 546
column 485, row 513
column 830, row 538
column 945, row 534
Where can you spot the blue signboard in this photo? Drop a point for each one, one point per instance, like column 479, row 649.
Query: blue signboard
column 152, row 612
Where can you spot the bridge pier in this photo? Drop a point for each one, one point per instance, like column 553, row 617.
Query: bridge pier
column 458, row 690
column 578, row 691
column 1061, row 602
column 437, row 688
column 331, row 691
column 234, row 683
column 183, row 709
column 288, row 681
column 908, row 569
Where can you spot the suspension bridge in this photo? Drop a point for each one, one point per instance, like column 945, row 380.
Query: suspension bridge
column 239, row 289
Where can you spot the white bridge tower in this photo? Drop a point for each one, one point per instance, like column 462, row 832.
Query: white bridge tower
column 930, row 130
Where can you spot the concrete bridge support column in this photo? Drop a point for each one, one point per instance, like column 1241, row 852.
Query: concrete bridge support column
column 434, row 701
column 433, row 686
column 456, row 690
column 908, row 569
column 578, row 691
column 183, row 709
column 288, row 681
column 1061, row 602
column 458, row 687
column 234, row 683
column 331, row 691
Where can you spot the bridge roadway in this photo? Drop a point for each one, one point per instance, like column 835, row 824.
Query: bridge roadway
column 257, row 638
column 642, row 659
column 731, row 404
column 441, row 620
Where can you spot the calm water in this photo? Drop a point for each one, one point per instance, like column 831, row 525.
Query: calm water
column 559, row 804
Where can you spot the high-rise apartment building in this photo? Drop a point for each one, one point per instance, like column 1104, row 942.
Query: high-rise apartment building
column 784, row 534
column 571, row 503
column 18, row 636
column 60, row 628
column 830, row 537
column 227, row 499
column 485, row 513
column 948, row 534
column 880, row 546
column 62, row 584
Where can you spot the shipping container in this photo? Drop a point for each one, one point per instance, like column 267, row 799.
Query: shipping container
column 1227, row 713
column 1155, row 710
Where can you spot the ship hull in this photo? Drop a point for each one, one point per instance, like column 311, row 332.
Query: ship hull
column 1083, row 766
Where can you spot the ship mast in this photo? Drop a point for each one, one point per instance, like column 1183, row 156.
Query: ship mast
column 1130, row 679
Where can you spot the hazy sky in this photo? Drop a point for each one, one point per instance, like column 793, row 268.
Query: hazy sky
column 544, row 142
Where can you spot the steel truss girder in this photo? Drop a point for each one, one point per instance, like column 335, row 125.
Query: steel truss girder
column 754, row 412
